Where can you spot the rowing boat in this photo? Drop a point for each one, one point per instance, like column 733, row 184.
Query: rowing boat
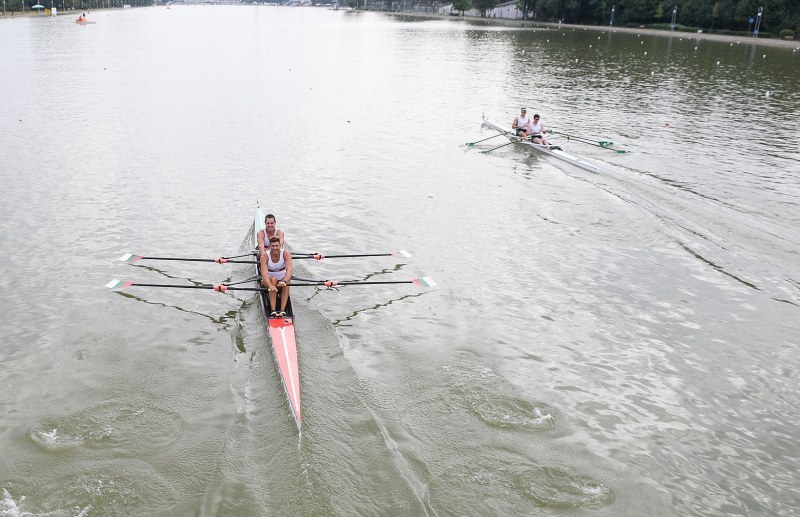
column 281, row 335
column 280, row 329
column 549, row 150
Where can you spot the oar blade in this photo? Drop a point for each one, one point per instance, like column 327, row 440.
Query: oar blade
column 425, row 281
column 402, row 253
column 118, row 284
column 130, row 258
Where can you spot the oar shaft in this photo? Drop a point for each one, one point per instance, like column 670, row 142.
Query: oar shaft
column 498, row 147
column 601, row 143
column 219, row 260
column 204, row 286
column 309, row 256
column 489, row 138
column 335, row 284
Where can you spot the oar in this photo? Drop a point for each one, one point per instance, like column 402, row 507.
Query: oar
column 121, row 284
column 582, row 138
column 320, row 256
column 602, row 144
column 470, row 144
column 425, row 281
column 499, row 146
column 131, row 258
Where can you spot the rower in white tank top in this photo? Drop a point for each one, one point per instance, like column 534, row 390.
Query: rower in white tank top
column 269, row 231
column 520, row 123
column 537, row 131
column 276, row 269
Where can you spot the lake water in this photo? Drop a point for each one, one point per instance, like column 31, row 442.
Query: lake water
column 620, row 344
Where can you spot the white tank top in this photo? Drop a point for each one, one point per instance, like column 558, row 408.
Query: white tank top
column 536, row 128
column 268, row 237
column 522, row 121
column 274, row 267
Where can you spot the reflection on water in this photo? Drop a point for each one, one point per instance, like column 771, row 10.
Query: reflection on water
column 621, row 341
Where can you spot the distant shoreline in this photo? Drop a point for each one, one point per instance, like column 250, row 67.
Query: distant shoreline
column 766, row 42
column 60, row 12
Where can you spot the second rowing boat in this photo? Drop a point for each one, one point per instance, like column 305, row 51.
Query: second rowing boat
column 549, row 150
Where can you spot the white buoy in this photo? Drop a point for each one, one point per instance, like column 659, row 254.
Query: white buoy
column 590, row 46
column 652, row 74
column 548, row 41
column 645, row 52
column 767, row 95
column 764, row 56
column 576, row 60
column 717, row 61
column 695, row 48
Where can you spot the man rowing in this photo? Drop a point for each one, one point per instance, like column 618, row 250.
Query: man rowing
column 276, row 273
column 268, row 233
column 521, row 124
column 537, row 133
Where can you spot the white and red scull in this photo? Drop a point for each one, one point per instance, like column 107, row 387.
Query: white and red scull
column 281, row 335
column 280, row 329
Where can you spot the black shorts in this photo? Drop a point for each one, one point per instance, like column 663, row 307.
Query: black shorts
column 518, row 130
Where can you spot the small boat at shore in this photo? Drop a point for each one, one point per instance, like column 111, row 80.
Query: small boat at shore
column 549, row 150
column 281, row 335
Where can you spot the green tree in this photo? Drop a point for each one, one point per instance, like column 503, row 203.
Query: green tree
column 660, row 11
column 462, row 5
column 526, row 7
column 485, row 5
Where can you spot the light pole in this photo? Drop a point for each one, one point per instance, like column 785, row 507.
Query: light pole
column 611, row 21
column 674, row 14
column 758, row 22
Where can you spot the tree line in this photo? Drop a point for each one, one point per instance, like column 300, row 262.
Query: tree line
column 718, row 16
column 78, row 5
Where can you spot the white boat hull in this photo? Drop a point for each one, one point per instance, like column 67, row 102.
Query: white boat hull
column 556, row 153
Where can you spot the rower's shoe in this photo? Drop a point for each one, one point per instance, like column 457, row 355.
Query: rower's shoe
column 273, row 314
column 556, row 148
column 281, row 314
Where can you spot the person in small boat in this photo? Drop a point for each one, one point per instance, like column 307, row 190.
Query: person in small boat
column 521, row 124
column 267, row 233
column 537, row 133
column 276, row 274
column 82, row 18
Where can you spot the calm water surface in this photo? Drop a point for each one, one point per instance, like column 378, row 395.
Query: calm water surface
column 621, row 343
